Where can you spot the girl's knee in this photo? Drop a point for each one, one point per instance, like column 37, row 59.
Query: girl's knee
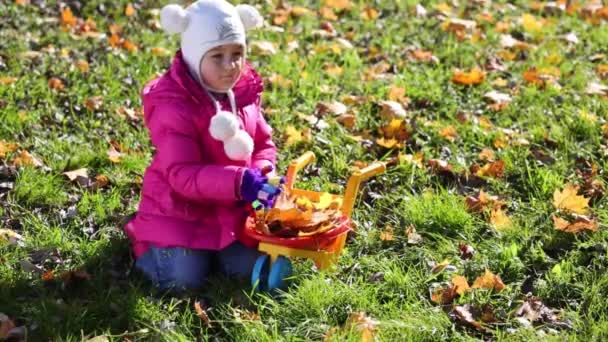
column 237, row 260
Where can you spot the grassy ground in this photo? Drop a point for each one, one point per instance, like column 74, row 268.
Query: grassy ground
column 69, row 226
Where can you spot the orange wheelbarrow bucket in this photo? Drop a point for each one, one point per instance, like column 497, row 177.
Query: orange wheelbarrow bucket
column 324, row 248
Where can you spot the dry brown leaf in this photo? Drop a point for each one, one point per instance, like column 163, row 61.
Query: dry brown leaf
column 487, row 154
column 94, row 103
column 6, row 325
column 542, row 76
column 413, row 238
column 202, row 313
column 493, row 169
column 347, row 120
column 129, row 113
column 392, row 109
column 160, row 51
column 580, row 223
column 67, row 18
column 114, row 155
column 449, row 133
column 362, row 323
column 73, row 175
column 473, row 77
column 11, row 237
column 498, row 99
column 334, row 108
column 328, row 13
column 26, row 159
column 499, row 219
column 387, row 234
column 129, row 45
column 338, row 5
column 129, row 10
column 83, row 66
column 56, row 83
column 464, row 315
column 444, row 295
column 461, row 285
column 7, row 80
column 369, row 13
column 388, row 143
column 423, row 56
column 568, row 199
column 6, row 147
column 397, row 94
column 263, row 48
column 595, row 88
column 489, row 281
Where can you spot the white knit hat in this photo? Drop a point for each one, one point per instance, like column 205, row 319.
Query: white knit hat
column 204, row 25
column 207, row 24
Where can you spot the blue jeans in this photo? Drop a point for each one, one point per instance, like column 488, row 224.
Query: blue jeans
column 180, row 268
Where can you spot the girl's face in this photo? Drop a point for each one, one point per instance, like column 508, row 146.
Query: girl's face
column 221, row 66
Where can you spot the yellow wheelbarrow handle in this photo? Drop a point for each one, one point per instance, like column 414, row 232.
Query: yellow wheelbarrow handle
column 352, row 187
column 296, row 166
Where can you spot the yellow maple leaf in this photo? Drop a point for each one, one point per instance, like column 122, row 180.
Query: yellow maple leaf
column 581, row 222
column 569, row 200
column 338, row 5
column 530, row 24
column 499, row 219
column 324, row 201
column 294, row 135
column 6, row 147
column 461, row 285
column 387, row 234
column 388, row 143
column 473, row 77
column 449, row 133
column 489, row 281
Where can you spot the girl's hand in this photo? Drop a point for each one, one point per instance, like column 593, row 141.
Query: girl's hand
column 255, row 186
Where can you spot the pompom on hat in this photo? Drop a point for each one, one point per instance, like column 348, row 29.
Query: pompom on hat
column 204, row 25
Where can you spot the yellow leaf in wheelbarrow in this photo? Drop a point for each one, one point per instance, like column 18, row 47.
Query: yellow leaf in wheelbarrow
column 324, row 201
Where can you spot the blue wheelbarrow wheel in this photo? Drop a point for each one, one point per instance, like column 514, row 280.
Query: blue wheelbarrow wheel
column 259, row 275
column 279, row 271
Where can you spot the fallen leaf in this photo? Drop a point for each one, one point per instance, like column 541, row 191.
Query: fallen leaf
column 338, row 5
column 534, row 310
column 461, row 285
column 397, row 94
column 6, row 147
column 440, row 266
column 580, row 223
column 26, row 159
column 202, row 313
column 387, row 143
column 466, row 251
column 489, row 281
column 129, row 45
column 7, row 80
column 129, row 10
column 333, row 108
column 6, row 325
column 75, row 174
column 444, row 295
column 94, row 103
column 67, row 18
column 369, row 13
column 11, row 237
column 423, row 56
column 595, row 88
column 413, row 238
column 83, row 66
column 160, row 51
column 492, row 169
column 463, row 314
column 387, row 234
column 499, row 100
column 56, row 83
column 363, row 324
column 114, row 155
column 473, row 77
column 392, row 109
column 294, row 135
column 449, row 133
column 487, row 154
column 568, row 199
column 499, row 219
column 263, row 48
column 328, row 13
column 530, row 24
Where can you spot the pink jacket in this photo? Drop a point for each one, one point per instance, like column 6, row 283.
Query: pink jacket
column 189, row 196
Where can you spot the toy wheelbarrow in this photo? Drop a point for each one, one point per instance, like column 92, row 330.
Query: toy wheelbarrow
column 270, row 270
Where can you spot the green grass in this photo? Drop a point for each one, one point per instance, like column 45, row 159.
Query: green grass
column 67, row 227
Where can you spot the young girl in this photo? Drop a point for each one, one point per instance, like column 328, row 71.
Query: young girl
column 211, row 141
